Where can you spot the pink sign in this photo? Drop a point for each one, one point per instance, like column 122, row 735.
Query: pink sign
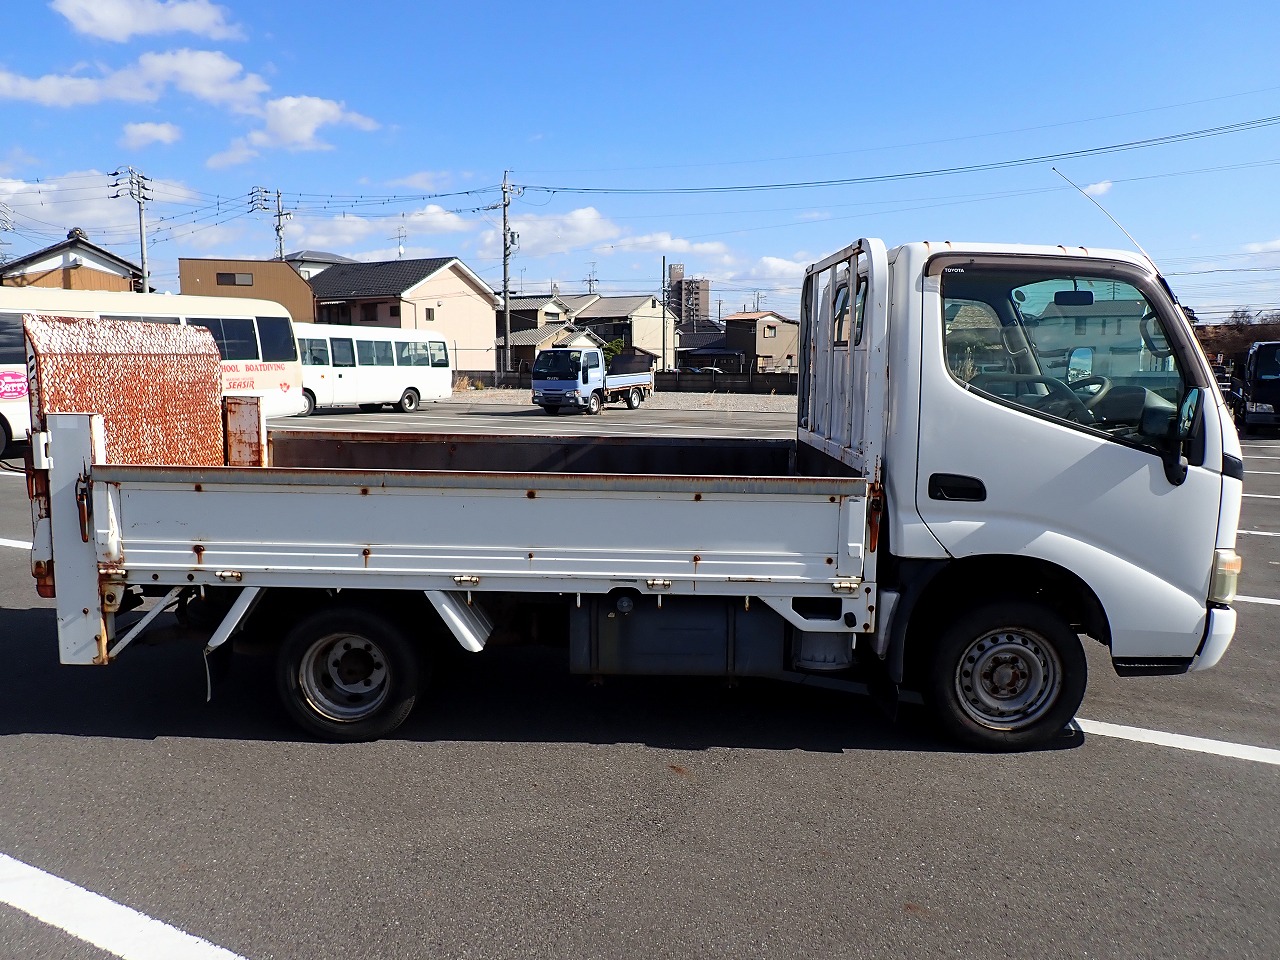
column 13, row 385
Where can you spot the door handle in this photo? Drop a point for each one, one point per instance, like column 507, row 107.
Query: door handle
column 955, row 486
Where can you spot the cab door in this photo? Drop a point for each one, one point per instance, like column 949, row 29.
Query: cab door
column 1048, row 387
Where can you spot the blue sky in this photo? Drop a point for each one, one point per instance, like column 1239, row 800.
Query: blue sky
column 381, row 118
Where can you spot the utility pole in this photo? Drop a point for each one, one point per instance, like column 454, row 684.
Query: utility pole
column 6, row 224
column 139, row 190
column 281, row 216
column 508, row 240
column 666, row 364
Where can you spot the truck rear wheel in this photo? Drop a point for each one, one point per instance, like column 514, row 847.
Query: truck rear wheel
column 634, row 398
column 346, row 674
column 593, row 404
column 1006, row 676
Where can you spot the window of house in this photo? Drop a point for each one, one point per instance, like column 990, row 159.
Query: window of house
column 429, row 313
column 368, row 313
column 770, row 331
column 395, row 310
column 235, row 279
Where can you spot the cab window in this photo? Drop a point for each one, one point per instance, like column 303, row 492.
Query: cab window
column 1091, row 351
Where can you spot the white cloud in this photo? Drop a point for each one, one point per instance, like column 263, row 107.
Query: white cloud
column 1266, row 246
column 1097, row 189
column 292, row 124
column 558, row 233
column 137, row 135
column 207, row 75
column 345, row 233
column 424, row 180
column 119, row 20
column 665, row 243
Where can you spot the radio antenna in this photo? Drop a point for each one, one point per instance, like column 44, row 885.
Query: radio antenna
column 1084, row 194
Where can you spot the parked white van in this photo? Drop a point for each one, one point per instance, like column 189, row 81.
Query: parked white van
column 372, row 367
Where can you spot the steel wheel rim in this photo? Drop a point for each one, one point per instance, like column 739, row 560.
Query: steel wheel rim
column 1008, row 679
column 344, row 677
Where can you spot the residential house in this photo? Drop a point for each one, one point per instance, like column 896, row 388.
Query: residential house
column 310, row 262
column 768, row 341
column 438, row 293
column 639, row 321
column 530, row 312
column 251, row 279
column 526, row 344
column 703, row 344
column 72, row 264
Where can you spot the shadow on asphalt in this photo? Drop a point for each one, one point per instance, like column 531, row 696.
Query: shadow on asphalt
column 513, row 695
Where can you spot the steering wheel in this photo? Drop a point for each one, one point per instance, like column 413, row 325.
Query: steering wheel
column 1090, row 398
column 1144, row 328
column 1060, row 401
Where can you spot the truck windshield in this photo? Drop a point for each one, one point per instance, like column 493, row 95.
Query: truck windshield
column 1269, row 362
column 558, row 364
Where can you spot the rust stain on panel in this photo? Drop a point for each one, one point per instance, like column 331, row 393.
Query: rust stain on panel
column 158, row 386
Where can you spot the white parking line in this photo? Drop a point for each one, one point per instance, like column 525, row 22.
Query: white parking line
column 1267, row 600
column 18, row 544
column 1257, row 533
column 1262, row 496
column 1221, row 748
column 93, row 918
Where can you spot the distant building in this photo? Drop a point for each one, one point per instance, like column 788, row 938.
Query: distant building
column 638, row 321
column 73, row 264
column 310, row 262
column 438, row 293
column 252, row 279
column 689, row 298
column 767, row 341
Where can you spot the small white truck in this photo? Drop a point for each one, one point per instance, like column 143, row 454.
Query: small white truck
column 576, row 378
column 1002, row 453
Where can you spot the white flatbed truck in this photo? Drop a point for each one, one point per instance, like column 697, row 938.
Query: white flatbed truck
column 1002, row 452
column 577, row 378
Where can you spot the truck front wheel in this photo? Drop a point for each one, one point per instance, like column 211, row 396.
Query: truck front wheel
column 593, row 404
column 347, row 675
column 1006, row 676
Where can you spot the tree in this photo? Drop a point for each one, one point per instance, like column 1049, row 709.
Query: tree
column 612, row 349
column 1240, row 317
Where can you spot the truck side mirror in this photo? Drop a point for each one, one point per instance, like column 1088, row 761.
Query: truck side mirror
column 1184, row 430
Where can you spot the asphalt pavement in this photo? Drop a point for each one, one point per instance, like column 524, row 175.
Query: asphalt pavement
column 521, row 812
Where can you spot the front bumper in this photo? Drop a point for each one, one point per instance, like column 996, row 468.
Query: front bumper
column 547, row 399
column 1217, row 637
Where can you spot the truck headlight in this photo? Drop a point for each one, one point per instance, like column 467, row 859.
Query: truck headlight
column 571, row 393
column 1259, row 407
column 1226, row 572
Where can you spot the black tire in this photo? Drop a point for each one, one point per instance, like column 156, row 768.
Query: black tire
column 345, row 674
column 1006, row 676
column 308, row 403
column 6, row 435
column 409, row 401
column 551, row 411
column 594, row 406
column 634, row 398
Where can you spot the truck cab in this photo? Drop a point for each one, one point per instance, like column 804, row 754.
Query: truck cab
column 569, row 378
column 1255, row 390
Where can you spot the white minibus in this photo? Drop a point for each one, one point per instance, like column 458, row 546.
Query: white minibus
column 372, row 367
column 255, row 338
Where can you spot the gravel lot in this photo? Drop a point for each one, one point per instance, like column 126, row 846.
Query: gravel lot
column 745, row 402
